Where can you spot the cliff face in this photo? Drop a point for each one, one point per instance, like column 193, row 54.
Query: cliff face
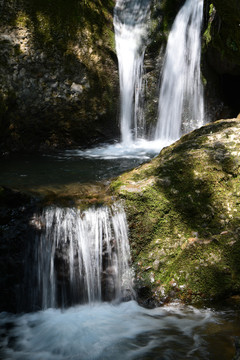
column 58, row 73
column 221, row 50
column 225, row 34
column 184, row 214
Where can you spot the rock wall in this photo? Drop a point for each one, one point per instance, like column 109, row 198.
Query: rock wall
column 16, row 232
column 221, row 50
column 58, row 74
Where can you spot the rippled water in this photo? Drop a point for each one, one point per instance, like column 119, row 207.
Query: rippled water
column 26, row 171
column 120, row 332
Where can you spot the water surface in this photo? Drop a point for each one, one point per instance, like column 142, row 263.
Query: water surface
column 127, row 331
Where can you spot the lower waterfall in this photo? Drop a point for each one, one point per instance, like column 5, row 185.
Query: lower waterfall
column 79, row 257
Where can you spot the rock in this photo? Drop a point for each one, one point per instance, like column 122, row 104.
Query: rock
column 16, row 210
column 196, row 228
column 76, row 88
column 45, row 55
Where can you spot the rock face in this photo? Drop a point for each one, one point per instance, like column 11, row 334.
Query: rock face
column 16, row 232
column 184, row 217
column 221, row 49
column 58, row 74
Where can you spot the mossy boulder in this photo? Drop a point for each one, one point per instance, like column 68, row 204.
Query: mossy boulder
column 183, row 210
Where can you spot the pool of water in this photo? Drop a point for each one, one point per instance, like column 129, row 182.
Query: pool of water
column 24, row 171
column 121, row 332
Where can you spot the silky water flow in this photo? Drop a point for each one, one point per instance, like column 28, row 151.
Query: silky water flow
column 78, row 257
column 181, row 102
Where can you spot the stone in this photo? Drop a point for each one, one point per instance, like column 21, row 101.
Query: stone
column 203, row 211
column 76, row 88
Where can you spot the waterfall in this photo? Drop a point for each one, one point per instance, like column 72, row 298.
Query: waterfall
column 80, row 256
column 130, row 23
column 181, row 105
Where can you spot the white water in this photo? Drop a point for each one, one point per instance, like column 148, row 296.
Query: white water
column 181, row 105
column 81, row 256
column 123, row 332
column 130, row 23
column 139, row 149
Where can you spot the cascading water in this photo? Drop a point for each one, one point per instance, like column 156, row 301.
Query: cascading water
column 130, row 23
column 80, row 257
column 181, row 105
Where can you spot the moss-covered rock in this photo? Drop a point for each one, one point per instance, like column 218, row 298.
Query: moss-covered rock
column 184, row 216
column 58, row 69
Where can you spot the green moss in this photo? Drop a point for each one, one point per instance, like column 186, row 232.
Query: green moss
column 207, row 34
column 78, row 37
column 222, row 32
column 22, row 20
column 184, row 218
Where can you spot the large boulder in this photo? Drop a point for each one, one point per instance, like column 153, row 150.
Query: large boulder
column 183, row 210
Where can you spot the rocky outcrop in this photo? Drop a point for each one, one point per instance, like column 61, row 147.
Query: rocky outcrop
column 184, row 217
column 58, row 74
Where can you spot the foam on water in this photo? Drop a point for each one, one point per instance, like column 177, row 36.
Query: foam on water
column 104, row 331
column 139, row 149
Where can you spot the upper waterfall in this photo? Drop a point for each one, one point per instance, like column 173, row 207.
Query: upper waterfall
column 181, row 104
column 130, row 23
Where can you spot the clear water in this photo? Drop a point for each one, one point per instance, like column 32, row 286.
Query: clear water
column 121, row 332
column 181, row 105
column 32, row 171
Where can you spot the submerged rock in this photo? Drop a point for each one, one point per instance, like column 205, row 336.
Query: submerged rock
column 184, row 217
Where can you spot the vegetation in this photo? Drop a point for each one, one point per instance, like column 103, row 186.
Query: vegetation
column 183, row 212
